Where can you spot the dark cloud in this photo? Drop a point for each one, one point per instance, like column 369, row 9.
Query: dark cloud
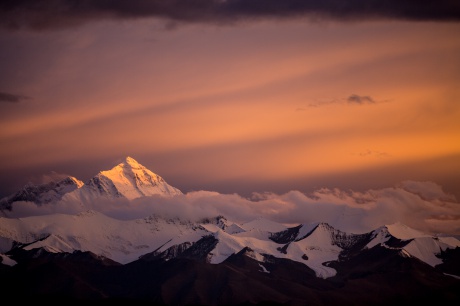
column 10, row 98
column 44, row 14
column 360, row 99
column 352, row 99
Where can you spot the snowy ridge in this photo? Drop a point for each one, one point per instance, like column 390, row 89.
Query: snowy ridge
column 43, row 193
column 125, row 241
column 412, row 242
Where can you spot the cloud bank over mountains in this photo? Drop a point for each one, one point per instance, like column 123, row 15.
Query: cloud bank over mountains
column 420, row 205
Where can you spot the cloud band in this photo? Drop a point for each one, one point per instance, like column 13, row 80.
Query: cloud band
column 43, row 14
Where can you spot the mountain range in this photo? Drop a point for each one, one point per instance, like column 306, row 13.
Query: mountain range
column 129, row 180
column 162, row 260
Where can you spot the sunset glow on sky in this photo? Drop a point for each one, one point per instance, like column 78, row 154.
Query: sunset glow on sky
column 255, row 105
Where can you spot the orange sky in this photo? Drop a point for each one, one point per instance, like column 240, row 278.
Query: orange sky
column 271, row 104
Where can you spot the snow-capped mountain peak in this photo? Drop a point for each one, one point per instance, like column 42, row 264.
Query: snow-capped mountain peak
column 131, row 180
column 128, row 165
column 393, row 233
column 402, row 231
column 132, row 162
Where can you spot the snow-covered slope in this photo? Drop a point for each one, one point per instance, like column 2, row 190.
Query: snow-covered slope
column 264, row 225
column 316, row 244
column 122, row 241
column 221, row 223
column 316, row 249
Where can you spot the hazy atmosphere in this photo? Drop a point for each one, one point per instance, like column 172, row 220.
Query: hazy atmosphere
column 230, row 98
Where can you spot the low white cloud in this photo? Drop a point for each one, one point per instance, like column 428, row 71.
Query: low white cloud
column 421, row 205
column 427, row 190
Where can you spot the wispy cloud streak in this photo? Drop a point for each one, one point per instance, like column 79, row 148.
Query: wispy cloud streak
column 11, row 98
